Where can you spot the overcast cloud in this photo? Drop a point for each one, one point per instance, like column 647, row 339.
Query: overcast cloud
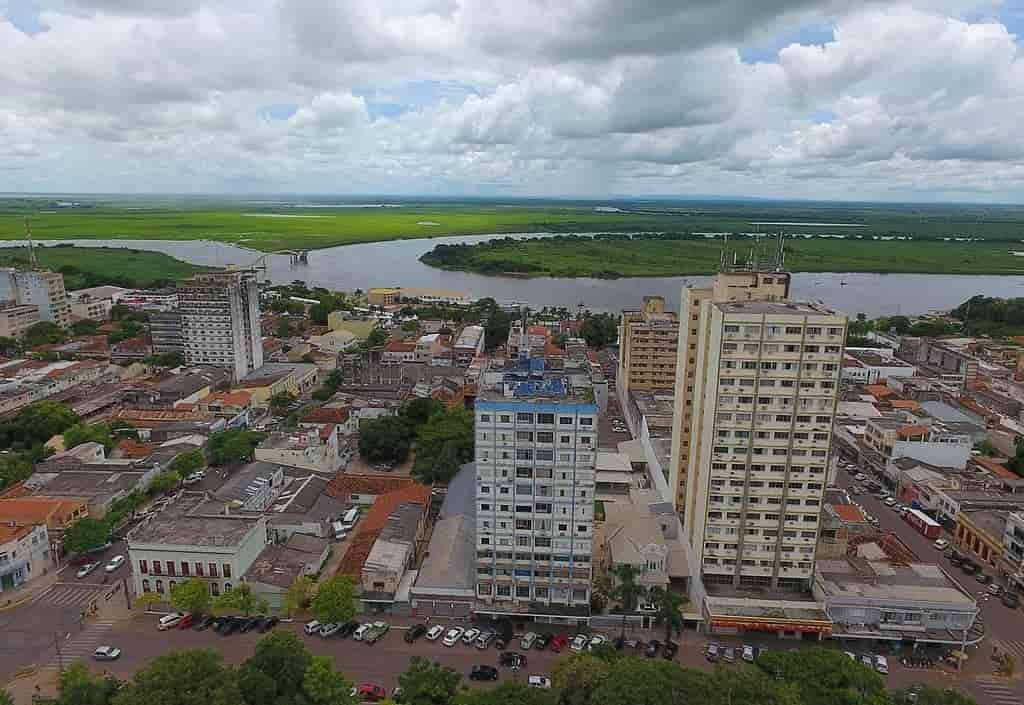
column 910, row 100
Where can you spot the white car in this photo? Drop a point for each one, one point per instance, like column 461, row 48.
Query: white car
column 435, row 632
column 941, row 544
column 470, row 636
column 596, row 641
column 331, row 629
column 860, row 477
column 540, row 682
column 453, row 636
column 115, row 563
column 881, row 665
column 106, row 653
column 748, row 653
column 86, row 569
column 313, row 627
column 195, row 477
column 889, row 502
column 526, row 643
column 169, row 621
column 359, row 633
column 579, row 642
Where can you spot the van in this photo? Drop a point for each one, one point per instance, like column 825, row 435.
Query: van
column 340, row 531
column 350, row 518
column 881, row 665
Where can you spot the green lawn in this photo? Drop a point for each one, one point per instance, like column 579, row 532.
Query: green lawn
column 90, row 266
column 619, row 257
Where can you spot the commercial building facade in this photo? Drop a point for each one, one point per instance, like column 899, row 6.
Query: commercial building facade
column 44, row 290
column 17, row 318
column 220, row 321
column 648, row 341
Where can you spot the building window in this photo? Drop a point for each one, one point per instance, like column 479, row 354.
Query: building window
column 170, row 567
column 546, row 418
column 157, row 568
column 184, row 569
column 227, row 587
column 143, row 569
column 160, row 586
column 213, row 569
column 214, row 589
column 227, row 573
column 199, row 569
column 170, row 585
column 145, row 586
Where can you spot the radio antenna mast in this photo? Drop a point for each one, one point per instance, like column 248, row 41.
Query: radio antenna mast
column 33, row 263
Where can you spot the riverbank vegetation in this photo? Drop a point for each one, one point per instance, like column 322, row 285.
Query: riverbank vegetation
column 611, row 256
column 316, row 223
column 95, row 266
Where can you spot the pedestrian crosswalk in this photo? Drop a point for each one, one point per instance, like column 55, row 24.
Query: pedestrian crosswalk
column 68, row 594
column 1014, row 648
column 80, row 646
column 999, row 690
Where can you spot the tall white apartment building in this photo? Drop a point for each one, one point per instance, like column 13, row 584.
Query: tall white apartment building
column 44, row 290
column 536, row 440
column 765, row 381
column 220, row 321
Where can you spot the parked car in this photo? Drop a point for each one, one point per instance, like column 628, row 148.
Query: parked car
column 711, row 652
column 579, row 642
column 729, row 654
column 187, row 621
column 983, row 578
column 889, row 501
column 653, row 647
column 106, row 653
column 484, row 639
column 169, row 621
column 232, row 625
column 250, row 623
column 968, row 567
column 435, row 632
column 860, row 477
column 994, row 589
column 376, row 632
column 596, row 641
column 470, row 636
column 483, row 672
column 881, row 664
column 205, row 623
column 542, row 682
column 218, row 623
column 267, row 624
column 512, row 660
column 526, row 643
column 451, row 638
column 348, row 629
column 669, row 650
column 1010, row 599
column 360, row 633
column 646, row 607
column 86, row 569
column 414, row 632
column 542, row 642
column 330, row 629
column 867, row 660
column 369, row 692
column 115, row 563
column 941, row 544
column 748, row 653
column 312, row 627
column 559, row 642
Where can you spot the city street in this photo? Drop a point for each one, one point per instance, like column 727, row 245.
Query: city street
column 1004, row 626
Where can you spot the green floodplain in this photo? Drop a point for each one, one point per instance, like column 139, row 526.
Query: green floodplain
column 93, row 266
column 992, row 232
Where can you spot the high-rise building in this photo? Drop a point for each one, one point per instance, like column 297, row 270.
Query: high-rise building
column 647, row 348
column 44, row 290
column 165, row 332
column 759, row 377
column 220, row 320
column 536, row 440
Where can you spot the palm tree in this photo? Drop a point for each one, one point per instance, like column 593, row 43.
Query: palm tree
column 627, row 592
column 668, row 604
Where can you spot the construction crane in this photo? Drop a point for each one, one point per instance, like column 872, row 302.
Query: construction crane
column 33, row 263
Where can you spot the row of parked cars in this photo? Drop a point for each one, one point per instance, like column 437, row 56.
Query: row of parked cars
column 112, row 565
column 224, row 625
column 368, row 633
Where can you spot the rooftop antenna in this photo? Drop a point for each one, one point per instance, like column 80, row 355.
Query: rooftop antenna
column 725, row 247
column 33, row 262
column 780, row 257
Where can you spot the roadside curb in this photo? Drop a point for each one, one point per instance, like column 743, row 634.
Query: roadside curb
column 17, row 603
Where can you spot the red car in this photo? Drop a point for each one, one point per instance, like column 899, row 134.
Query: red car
column 186, row 621
column 369, row 692
column 559, row 642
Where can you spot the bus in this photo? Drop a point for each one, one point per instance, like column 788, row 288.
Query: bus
column 923, row 523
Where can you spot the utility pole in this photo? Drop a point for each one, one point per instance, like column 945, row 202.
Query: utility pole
column 60, row 657
column 33, row 263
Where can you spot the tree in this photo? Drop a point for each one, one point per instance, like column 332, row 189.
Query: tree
column 9, row 347
column 600, row 329
column 80, row 687
column 387, row 439
column 669, row 603
column 240, row 599
column 443, row 444
column 325, row 686
column 276, row 671
column 42, row 333
column 576, row 678
column 5, row 698
column 928, row 695
column 14, row 467
column 162, row 483
column 36, row 424
column 280, row 402
column 284, row 329
column 183, row 677
column 420, row 410
column 376, row 338
column 428, row 683
column 627, row 592
column 297, row 595
column 191, row 596
column 335, row 600
column 148, row 599
column 88, row 433
column 86, row 534
column 86, row 326
column 233, row 445
column 187, row 463
column 508, row 692
column 824, row 676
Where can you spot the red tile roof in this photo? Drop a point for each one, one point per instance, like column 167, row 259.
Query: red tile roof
column 904, row 404
column 849, row 512
column 234, row 398
column 326, row 414
column 130, row 448
column 400, row 346
column 374, row 522
column 996, row 468
column 908, row 431
column 346, row 484
column 879, row 391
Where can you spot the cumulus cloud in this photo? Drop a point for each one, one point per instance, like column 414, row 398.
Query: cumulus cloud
column 576, row 97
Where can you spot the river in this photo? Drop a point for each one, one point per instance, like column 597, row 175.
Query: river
column 396, row 263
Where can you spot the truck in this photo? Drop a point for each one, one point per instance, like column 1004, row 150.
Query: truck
column 924, row 524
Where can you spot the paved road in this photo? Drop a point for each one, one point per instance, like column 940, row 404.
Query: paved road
column 1004, row 626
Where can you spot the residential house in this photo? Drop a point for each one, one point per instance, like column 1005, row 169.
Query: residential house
column 25, row 554
column 280, row 564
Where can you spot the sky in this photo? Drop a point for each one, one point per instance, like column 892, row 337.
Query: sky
column 917, row 100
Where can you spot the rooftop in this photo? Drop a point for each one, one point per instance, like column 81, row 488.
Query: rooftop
column 193, row 520
column 271, row 372
column 237, row 488
column 788, row 308
column 856, row 578
column 373, row 523
column 991, row 521
column 344, row 485
column 449, row 564
column 280, row 564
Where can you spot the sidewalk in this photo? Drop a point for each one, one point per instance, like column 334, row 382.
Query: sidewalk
column 10, row 599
